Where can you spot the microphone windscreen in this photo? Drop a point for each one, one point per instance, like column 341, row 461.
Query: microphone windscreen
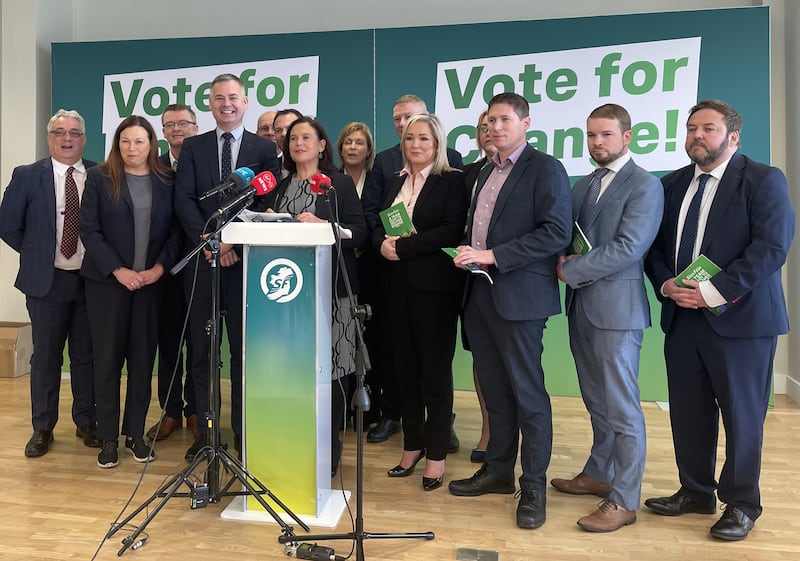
column 264, row 182
column 241, row 177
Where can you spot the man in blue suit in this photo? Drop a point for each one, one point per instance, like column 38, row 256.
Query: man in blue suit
column 618, row 207
column 178, row 123
column 32, row 222
column 520, row 221
column 387, row 165
column 203, row 163
column 721, row 333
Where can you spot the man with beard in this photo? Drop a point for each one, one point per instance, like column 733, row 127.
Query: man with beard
column 619, row 208
column 721, row 333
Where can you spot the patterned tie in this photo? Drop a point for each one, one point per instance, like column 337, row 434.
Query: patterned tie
column 226, row 168
column 72, row 216
column 689, row 235
column 589, row 205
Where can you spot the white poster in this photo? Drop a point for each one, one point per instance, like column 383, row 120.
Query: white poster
column 655, row 81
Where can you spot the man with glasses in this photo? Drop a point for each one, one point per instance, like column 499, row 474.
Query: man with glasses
column 178, row 123
column 39, row 218
column 265, row 125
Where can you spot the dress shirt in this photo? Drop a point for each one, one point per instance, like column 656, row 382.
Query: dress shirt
column 236, row 143
column 59, row 178
column 412, row 187
column 487, row 197
column 613, row 168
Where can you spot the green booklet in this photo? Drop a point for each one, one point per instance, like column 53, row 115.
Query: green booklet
column 471, row 267
column 580, row 244
column 396, row 221
column 701, row 269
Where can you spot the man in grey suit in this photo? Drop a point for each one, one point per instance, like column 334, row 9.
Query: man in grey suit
column 39, row 219
column 520, row 221
column 619, row 208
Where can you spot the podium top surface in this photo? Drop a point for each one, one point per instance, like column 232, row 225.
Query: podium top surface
column 284, row 234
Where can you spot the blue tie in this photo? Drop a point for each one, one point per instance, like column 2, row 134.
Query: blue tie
column 689, row 235
column 589, row 205
column 226, row 168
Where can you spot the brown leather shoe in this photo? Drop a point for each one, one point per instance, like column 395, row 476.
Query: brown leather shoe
column 168, row 426
column 191, row 424
column 582, row 484
column 608, row 517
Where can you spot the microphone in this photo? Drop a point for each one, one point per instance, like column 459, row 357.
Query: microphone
column 320, row 184
column 261, row 184
column 239, row 178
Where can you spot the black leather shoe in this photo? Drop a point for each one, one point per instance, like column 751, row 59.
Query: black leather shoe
column 89, row 435
column 400, row 471
column 681, row 503
column 431, row 483
column 480, row 483
column 734, row 525
column 383, row 430
column 197, row 445
column 531, row 509
column 39, row 443
column 454, row 444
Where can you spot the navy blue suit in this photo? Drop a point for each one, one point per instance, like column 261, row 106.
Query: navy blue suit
column 123, row 322
column 723, row 364
column 504, row 322
column 54, row 297
column 170, row 345
column 197, row 173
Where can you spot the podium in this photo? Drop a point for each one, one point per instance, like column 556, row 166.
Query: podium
column 286, row 369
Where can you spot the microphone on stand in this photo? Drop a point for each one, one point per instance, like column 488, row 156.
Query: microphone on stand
column 261, row 184
column 238, row 179
column 320, row 184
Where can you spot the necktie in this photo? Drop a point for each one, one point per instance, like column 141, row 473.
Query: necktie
column 175, row 165
column 689, row 235
column 589, row 205
column 72, row 216
column 226, row 168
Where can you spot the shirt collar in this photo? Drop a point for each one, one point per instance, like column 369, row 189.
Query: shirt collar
column 61, row 168
column 514, row 156
column 716, row 173
column 424, row 172
column 619, row 163
column 237, row 133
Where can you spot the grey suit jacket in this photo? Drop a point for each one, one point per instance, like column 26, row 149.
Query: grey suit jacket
column 610, row 277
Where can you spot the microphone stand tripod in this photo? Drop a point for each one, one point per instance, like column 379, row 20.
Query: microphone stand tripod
column 361, row 404
column 215, row 454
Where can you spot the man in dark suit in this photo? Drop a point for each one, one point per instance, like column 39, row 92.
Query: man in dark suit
column 178, row 123
column 205, row 161
column 386, row 166
column 38, row 207
column 619, row 208
column 721, row 333
column 520, row 221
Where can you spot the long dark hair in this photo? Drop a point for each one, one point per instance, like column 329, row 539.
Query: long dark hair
column 115, row 166
column 325, row 163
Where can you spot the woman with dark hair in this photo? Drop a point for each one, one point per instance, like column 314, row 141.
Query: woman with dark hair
column 128, row 231
column 424, row 294
column 307, row 152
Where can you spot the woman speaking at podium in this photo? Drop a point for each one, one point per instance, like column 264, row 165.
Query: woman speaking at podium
column 308, row 153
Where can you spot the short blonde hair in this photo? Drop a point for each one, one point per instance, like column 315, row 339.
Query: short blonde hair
column 440, row 163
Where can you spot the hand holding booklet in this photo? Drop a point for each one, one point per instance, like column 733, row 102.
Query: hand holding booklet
column 396, row 221
column 579, row 245
column 701, row 269
column 471, row 267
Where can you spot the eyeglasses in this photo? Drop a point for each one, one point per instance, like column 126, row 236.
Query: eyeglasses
column 60, row 133
column 483, row 129
column 177, row 124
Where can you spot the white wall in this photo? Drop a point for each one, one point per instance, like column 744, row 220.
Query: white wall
column 27, row 27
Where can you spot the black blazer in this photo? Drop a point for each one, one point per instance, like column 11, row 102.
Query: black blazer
column 199, row 171
column 350, row 215
column 440, row 214
column 107, row 227
column 28, row 224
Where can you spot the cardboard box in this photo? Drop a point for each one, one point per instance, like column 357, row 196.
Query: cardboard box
column 16, row 347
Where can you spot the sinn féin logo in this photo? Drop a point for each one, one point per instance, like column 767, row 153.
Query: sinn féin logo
column 281, row 280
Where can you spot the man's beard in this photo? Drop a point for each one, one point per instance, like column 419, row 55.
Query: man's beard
column 710, row 156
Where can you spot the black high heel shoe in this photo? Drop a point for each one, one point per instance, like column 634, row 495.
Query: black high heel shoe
column 400, row 471
column 431, row 483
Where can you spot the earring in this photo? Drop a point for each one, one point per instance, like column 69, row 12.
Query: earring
column 320, row 155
